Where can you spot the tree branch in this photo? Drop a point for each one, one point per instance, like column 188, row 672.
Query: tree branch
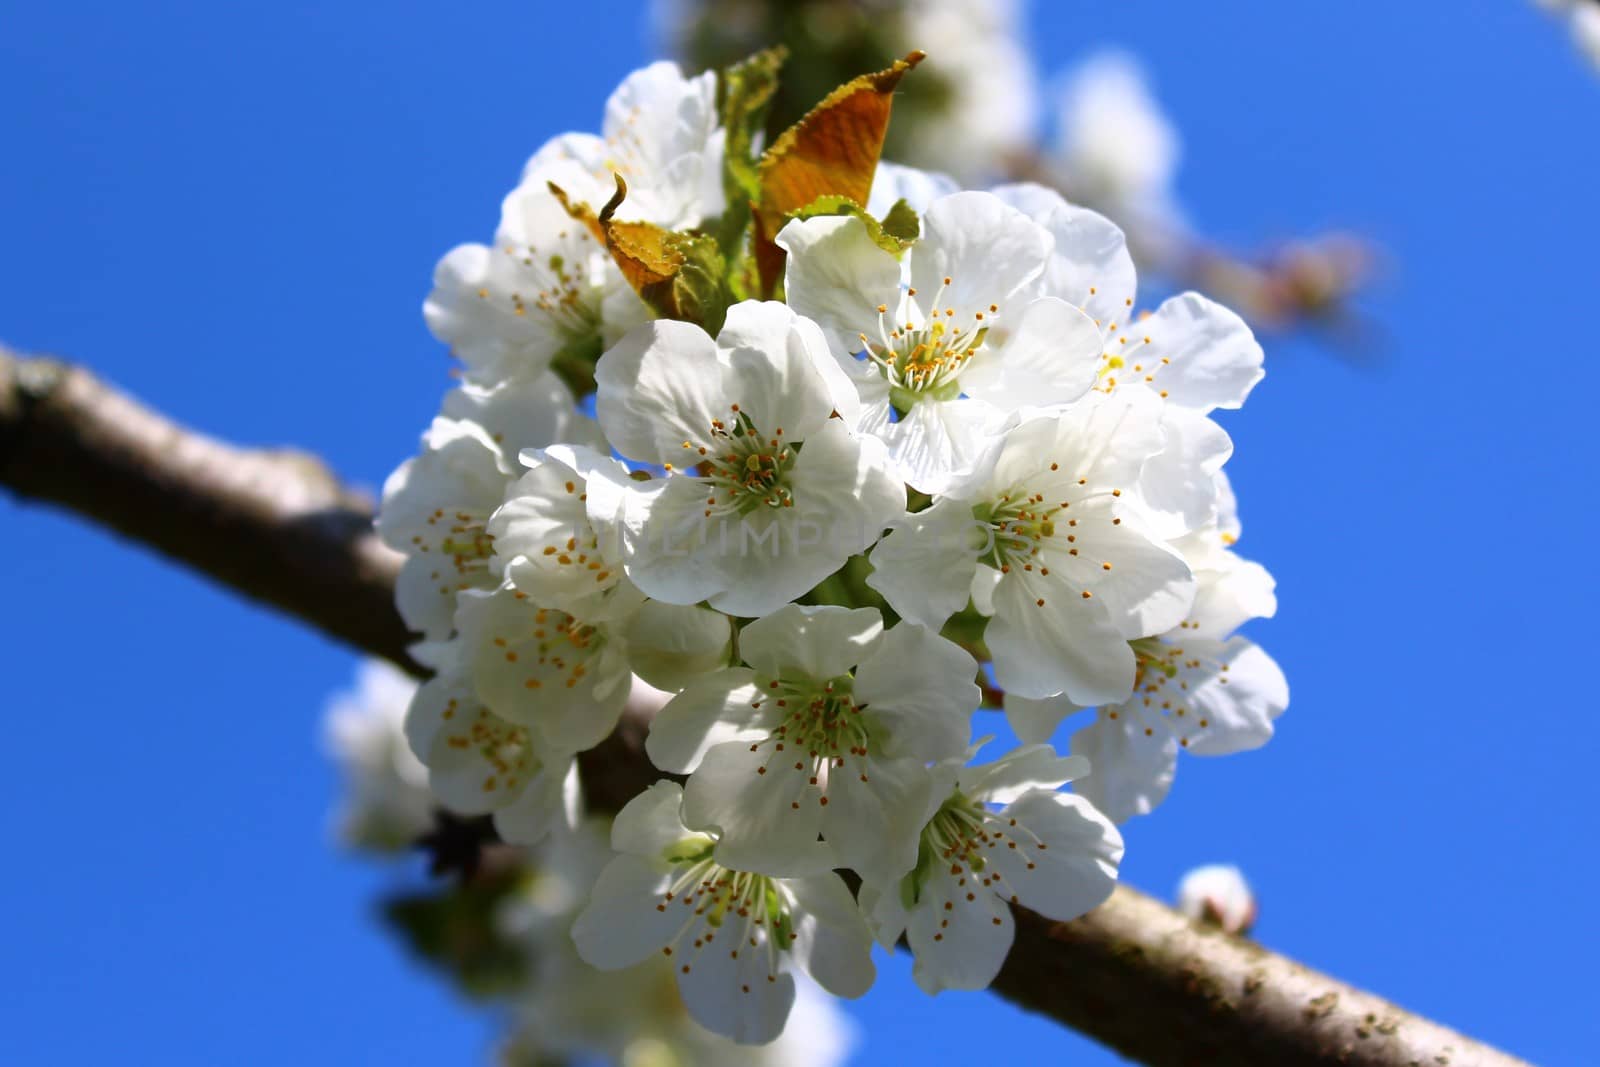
column 275, row 525
column 278, row 527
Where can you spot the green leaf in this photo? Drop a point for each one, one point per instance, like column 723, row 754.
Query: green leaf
column 902, row 222
column 744, row 92
column 843, row 205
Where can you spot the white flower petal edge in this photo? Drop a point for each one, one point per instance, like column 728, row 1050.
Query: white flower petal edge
column 661, row 134
column 1090, row 265
column 1058, row 519
column 781, row 492
column 480, row 763
column 387, row 805
column 1195, row 688
column 563, row 676
column 947, row 341
column 828, row 732
column 733, row 937
column 1045, row 850
column 435, row 507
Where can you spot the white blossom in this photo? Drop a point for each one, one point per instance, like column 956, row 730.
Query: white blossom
column 1193, row 354
column 1218, row 894
column 634, row 1016
column 1196, row 688
column 545, row 288
column 953, row 337
column 766, row 493
column 387, row 805
column 481, row 763
column 733, row 936
column 1044, row 849
column 436, row 505
column 1078, row 575
column 567, row 675
column 828, row 729
column 661, row 135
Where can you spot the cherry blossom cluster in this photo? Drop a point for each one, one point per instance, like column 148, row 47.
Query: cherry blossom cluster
column 945, row 472
column 560, row 1008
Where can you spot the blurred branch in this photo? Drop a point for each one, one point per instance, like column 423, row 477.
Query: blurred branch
column 278, row 527
column 275, row 525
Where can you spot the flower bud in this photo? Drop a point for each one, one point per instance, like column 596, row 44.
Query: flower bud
column 1218, row 895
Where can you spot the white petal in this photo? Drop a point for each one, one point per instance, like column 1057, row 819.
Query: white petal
column 710, row 711
column 1212, row 358
column 1067, row 644
column 585, row 150
column 1090, row 266
column 1065, row 862
column 473, row 308
column 1231, row 591
column 1024, row 769
column 768, row 814
column 1147, row 588
column 1178, row 484
column 779, row 370
column 658, row 128
column 983, row 586
column 806, row 641
column 425, row 593
column 893, row 182
column 873, row 818
column 479, row 762
column 1051, row 357
column 543, row 534
column 620, row 925
column 1238, row 702
column 548, row 802
column 844, row 497
column 920, row 686
column 885, row 912
column 924, row 567
column 1103, row 440
column 837, row 276
column 832, row 943
column 460, row 470
column 732, row 995
column 1034, row 720
column 992, row 253
column 670, row 645
column 961, row 946
column 435, row 703
column 940, row 445
column 650, row 823
column 530, row 411
column 672, row 551
column 659, row 386
column 543, row 668
column 1132, row 761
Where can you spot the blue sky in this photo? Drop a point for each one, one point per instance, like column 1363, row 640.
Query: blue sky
column 233, row 211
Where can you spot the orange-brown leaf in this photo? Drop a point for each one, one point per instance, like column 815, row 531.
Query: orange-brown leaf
column 833, row 151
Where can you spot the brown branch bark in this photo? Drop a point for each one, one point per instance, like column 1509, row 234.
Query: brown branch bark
column 274, row 524
column 278, row 527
